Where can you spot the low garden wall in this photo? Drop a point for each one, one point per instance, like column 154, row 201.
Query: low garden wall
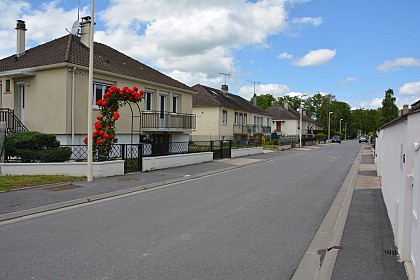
column 246, row 152
column 162, row 162
column 100, row 169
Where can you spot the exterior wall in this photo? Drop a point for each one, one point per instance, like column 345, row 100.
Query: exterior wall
column 399, row 169
column 246, row 152
column 100, row 169
column 154, row 163
column 208, row 123
column 290, row 127
column 45, row 101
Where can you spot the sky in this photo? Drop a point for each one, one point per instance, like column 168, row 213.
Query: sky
column 353, row 49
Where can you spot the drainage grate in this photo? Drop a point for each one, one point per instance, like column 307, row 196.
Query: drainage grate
column 391, row 252
column 61, row 188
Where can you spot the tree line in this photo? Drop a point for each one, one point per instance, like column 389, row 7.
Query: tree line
column 354, row 122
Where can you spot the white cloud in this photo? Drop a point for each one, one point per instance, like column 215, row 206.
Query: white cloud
column 315, row 58
column 410, row 88
column 285, row 55
column 43, row 24
column 373, row 104
column 274, row 89
column 346, row 81
column 398, row 64
column 308, row 20
column 178, row 37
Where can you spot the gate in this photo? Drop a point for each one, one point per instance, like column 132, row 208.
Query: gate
column 132, row 154
column 221, row 149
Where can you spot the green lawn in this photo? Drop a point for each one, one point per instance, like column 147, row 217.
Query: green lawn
column 9, row 182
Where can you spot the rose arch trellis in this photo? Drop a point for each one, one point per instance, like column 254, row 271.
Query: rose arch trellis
column 104, row 135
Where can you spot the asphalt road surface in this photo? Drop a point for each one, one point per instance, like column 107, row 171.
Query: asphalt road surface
column 253, row 223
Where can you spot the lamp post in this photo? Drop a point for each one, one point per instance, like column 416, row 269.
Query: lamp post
column 90, row 98
column 300, row 121
column 329, row 125
column 345, row 131
column 340, row 124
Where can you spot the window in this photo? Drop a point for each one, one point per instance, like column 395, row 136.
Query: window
column 148, row 100
column 99, row 89
column 268, row 121
column 245, row 119
column 236, row 117
column 175, row 100
column 7, row 85
column 224, row 117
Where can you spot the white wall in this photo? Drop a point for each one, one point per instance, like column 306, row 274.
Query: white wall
column 395, row 159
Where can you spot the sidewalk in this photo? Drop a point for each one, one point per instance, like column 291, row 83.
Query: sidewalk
column 367, row 246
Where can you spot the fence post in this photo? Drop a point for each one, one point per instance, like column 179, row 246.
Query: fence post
column 211, row 146
column 140, row 157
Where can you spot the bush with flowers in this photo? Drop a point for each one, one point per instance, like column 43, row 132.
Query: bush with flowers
column 104, row 135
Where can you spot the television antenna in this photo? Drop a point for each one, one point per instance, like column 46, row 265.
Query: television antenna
column 225, row 74
column 76, row 25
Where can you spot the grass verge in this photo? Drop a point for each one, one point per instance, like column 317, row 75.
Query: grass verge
column 10, row 182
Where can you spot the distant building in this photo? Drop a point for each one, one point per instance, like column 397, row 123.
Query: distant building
column 225, row 116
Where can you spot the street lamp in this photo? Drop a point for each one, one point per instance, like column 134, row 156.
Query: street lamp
column 340, row 124
column 300, row 121
column 329, row 125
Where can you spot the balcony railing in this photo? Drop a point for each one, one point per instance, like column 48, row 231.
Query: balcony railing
column 251, row 129
column 167, row 120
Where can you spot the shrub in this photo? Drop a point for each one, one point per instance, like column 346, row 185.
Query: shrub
column 33, row 146
column 320, row 136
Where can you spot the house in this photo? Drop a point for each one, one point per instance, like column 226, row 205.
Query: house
column 397, row 156
column 45, row 89
column 225, row 116
column 286, row 120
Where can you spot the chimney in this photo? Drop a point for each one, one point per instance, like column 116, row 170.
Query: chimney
column 225, row 89
column 405, row 109
column 85, row 31
column 20, row 42
column 254, row 99
column 286, row 105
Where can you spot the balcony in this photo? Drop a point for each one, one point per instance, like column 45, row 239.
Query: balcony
column 251, row 129
column 166, row 121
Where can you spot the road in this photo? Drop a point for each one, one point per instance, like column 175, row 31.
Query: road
column 253, row 223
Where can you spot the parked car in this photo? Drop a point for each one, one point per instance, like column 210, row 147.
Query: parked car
column 336, row 139
column 363, row 139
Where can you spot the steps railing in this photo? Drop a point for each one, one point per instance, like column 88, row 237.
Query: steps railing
column 13, row 124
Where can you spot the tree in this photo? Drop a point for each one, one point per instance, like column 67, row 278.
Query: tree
column 265, row 101
column 389, row 110
column 293, row 101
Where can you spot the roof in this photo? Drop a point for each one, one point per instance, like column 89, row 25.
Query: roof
column 281, row 113
column 211, row 97
column 69, row 49
column 415, row 109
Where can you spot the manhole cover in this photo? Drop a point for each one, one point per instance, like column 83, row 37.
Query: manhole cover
column 129, row 179
column 61, row 188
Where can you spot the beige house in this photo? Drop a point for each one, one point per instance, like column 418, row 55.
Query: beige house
column 46, row 89
column 225, row 116
column 286, row 121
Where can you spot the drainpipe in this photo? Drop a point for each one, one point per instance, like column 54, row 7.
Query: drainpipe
column 72, row 106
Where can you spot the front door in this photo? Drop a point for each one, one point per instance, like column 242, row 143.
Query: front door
column 21, row 103
column 278, row 126
column 162, row 112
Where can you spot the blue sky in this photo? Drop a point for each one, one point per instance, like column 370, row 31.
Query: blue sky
column 354, row 49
